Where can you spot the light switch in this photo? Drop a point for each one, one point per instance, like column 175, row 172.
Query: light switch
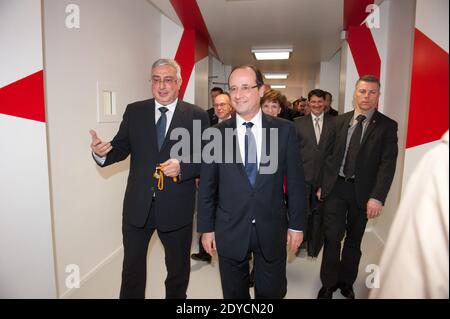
column 108, row 100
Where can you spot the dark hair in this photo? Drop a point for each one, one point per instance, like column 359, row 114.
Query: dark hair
column 258, row 74
column 329, row 94
column 369, row 78
column 316, row 92
column 217, row 89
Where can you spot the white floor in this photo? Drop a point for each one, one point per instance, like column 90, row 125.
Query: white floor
column 302, row 275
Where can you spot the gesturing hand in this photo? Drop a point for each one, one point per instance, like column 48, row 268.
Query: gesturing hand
column 98, row 147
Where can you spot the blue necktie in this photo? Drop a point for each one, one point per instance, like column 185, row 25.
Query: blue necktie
column 251, row 164
column 161, row 126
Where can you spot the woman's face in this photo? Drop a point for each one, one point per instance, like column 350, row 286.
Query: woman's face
column 271, row 108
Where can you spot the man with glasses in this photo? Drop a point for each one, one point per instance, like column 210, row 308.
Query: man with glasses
column 241, row 207
column 160, row 192
column 223, row 110
column 356, row 180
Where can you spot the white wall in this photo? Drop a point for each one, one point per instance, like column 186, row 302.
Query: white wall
column 117, row 42
column 201, row 83
column 218, row 75
column 396, row 73
column 26, row 258
column 329, row 77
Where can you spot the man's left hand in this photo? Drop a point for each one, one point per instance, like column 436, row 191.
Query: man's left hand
column 294, row 240
column 171, row 167
column 374, row 208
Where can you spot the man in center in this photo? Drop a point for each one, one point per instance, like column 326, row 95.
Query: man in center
column 241, row 206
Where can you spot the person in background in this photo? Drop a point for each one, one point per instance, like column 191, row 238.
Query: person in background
column 211, row 112
column 356, row 179
column 328, row 108
column 315, row 133
column 271, row 102
column 143, row 135
column 223, row 111
column 415, row 260
column 301, row 105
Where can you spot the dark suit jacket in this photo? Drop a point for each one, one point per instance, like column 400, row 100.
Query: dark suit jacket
column 313, row 154
column 230, row 216
column 137, row 137
column 213, row 119
column 375, row 163
column 332, row 112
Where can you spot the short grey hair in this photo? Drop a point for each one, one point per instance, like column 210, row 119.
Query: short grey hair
column 173, row 63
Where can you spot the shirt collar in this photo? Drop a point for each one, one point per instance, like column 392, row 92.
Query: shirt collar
column 256, row 120
column 170, row 106
column 368, row 115
column 320, row 117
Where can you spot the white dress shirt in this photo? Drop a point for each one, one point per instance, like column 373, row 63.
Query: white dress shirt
column 257, row 132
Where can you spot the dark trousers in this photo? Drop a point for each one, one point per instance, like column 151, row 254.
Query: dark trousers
column 342, row 217
column 177, row 245
column 270, row 276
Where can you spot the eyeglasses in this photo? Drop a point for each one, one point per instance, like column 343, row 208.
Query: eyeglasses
column 166, row 81
column 220, row 104
column 245, row 89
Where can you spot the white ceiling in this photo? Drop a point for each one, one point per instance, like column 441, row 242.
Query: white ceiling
column 311, row 27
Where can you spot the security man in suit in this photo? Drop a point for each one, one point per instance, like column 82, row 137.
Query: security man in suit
column 160, row 192
column 356, row 180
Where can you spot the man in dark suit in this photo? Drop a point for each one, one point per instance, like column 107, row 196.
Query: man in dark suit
column 213, row 119
column 315, row 133
column 356, row 180
column 223, row 111
column 328, row 108
column 241, row 207
column 144, row 134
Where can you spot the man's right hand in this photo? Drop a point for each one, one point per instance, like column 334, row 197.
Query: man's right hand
column 98, row 147
column 209, row 243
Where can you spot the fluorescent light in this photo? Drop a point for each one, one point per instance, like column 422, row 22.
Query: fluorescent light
column 276, row 75
column 277, row 86
column 271, row 54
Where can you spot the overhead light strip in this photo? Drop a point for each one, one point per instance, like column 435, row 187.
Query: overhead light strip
column 276, row 75
column 272, row 54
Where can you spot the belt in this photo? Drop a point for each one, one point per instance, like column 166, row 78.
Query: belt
column 350, row 180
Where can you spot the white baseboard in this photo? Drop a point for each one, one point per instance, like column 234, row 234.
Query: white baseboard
column 92, row 273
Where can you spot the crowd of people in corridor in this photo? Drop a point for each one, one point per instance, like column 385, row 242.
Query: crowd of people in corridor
column 333, row 174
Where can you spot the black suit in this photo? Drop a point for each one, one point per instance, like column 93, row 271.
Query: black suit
column 346, row 201
column 332, row 112
column 145, row 208
column 237, row 204
column 313, row 156
column 213, row 119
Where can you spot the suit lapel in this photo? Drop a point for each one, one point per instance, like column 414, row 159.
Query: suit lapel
column 266, row 127
column 370, row 127
column 177, row 121
column 310, row 128
column 237, row 158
